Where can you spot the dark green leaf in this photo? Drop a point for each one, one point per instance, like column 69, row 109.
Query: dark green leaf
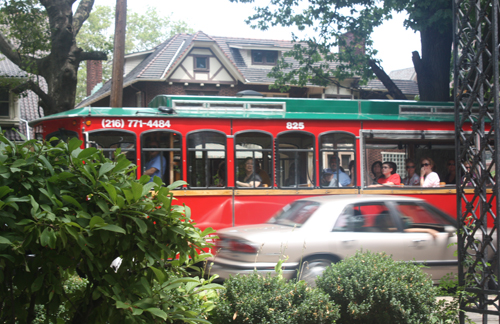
column 106, row 167
column 160, row 275
column 74, row 143
column 137, row 190
column 72, row 200
column 176, row 184
column 112, row 228
column 3, row 240
column 111, row 191
column 4, row 190
column 87, row 152
column 158, row 313
column 96, row 221
column 47, row 164
column 37, row 284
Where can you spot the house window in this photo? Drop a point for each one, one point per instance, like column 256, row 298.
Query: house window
column 264, row 57
column 201, row 63
column 4, row 102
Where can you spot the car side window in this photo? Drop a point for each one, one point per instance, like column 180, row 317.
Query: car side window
column 415, row 215
column 365, row 218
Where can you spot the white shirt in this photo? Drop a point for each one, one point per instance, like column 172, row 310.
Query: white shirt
column 413, row 181
column 432, row 180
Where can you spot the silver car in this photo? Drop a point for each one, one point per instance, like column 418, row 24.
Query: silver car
column 311, row 233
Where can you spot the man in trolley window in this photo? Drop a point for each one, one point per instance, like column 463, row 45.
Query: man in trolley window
column 340, row 178
column 156, row 163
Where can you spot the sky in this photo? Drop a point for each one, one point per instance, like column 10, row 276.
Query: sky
column 224, row 18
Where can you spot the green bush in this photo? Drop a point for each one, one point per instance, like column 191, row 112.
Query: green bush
column 265, row 299
column 66, row 210
column 373, row 288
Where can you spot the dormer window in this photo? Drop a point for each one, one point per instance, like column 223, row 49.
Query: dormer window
column 201, row 63
column 260, row 57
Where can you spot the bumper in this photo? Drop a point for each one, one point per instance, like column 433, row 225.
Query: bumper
column 225, row 268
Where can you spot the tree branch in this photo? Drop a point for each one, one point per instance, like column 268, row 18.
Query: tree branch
column 24, row 62
column 93, row 56
column 45, row 99
column 393, row 89
column 81, row 14
column 417, row 61
column 8, row 50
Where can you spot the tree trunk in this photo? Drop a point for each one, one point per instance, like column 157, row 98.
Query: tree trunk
column 393, row 89
column 59, row 68
column 433, row 68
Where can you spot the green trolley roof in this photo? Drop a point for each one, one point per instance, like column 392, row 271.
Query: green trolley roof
column 272, row 108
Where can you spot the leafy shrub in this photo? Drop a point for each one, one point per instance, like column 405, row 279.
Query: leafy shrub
column 373, row 288
column 265, row 299
column 67, row 210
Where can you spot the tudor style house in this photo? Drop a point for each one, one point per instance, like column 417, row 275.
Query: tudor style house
column 198, row 64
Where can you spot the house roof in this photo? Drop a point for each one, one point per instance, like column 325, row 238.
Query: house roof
column 166, row 57
column 408, row 87
column 404, row 74
column 9, row 69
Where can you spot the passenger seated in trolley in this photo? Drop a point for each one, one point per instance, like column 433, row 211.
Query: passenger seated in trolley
column 250, row 179
column 389, row 175
column 343, row 179
column 156, row 164
column 412, row 178
column 428, row 178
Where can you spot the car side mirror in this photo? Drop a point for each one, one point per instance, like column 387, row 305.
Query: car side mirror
column 451, row 230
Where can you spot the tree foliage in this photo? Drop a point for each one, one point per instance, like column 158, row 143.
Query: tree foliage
column 144, row 32
column 65, row 211
column 330, row 20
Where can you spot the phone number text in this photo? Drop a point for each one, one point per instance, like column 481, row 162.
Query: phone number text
column 134, row 123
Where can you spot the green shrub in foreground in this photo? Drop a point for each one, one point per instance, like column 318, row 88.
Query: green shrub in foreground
column 373, row 288
column 266, row 299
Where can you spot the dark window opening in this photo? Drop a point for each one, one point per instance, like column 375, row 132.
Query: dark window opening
column 4, row 102
column 254, row 160
column 161, row 156
column 206, row 159
column 110, row 141
column 296, row 167
column 201, row 63
column 264, row 57
column 337, row 159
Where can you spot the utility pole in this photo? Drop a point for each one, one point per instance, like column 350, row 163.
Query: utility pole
column 118, row 54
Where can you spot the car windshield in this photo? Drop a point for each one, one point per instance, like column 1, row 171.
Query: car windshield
column 295, row 214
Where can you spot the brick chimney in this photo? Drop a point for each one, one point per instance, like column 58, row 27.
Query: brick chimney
column 94, row 75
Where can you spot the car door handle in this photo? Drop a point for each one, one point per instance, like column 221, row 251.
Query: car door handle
column 348, row 241
column 417, row 242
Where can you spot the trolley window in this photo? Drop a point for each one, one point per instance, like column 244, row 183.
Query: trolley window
column 401, row 146
column 337, row 159
column 206, row 156
column 62, row 134
column 295, row 152
column 109, row 141
column 254, row 160
column 161, row 155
